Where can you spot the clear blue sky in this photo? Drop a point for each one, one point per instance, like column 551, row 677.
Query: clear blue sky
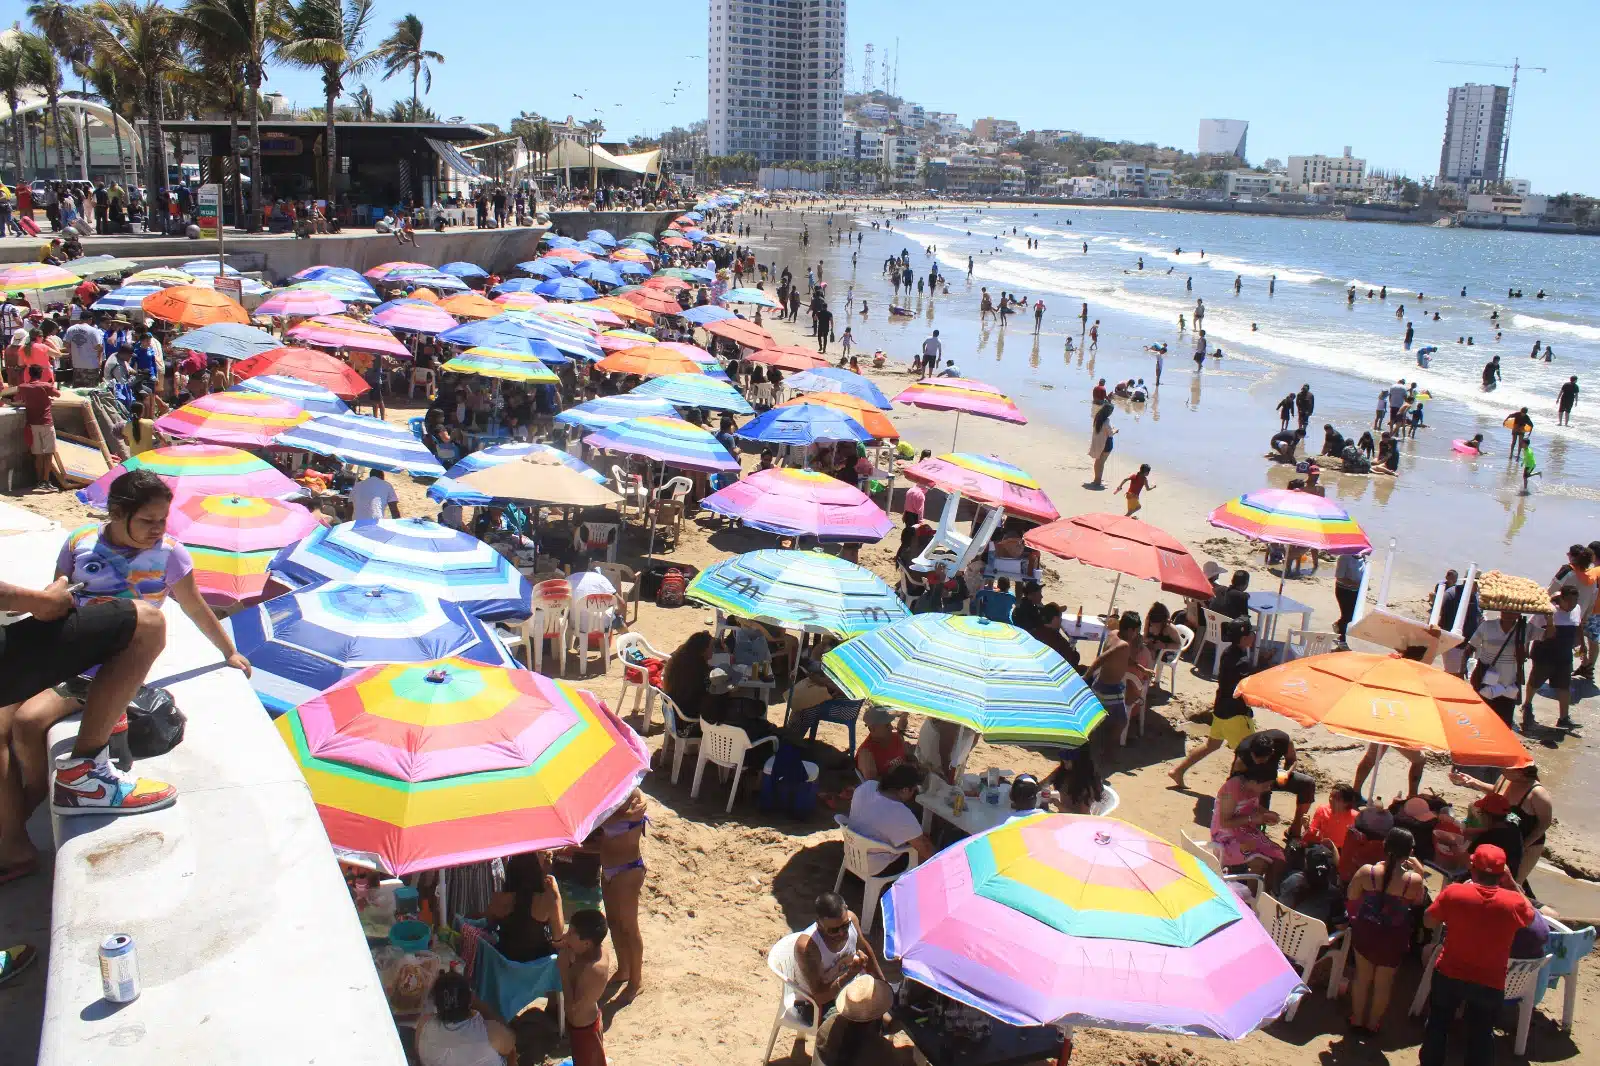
column 1147, row 71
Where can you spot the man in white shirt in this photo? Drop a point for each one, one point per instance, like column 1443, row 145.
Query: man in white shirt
column 879, row 810
column 85, row 344
column 932, row 349
column 370, row 496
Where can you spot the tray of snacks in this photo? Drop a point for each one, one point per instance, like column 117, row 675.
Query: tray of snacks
column 1508, row 592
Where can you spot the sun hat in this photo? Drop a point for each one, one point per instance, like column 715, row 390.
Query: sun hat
column 877, row 716
column 866, row 998
column 1212, row 569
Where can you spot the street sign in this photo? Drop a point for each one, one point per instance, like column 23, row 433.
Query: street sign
column 228, row 286
column 209, row 211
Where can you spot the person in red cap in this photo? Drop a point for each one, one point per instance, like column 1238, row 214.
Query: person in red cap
column 1481, row 916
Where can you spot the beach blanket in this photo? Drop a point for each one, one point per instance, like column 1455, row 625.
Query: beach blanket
column 509, row 987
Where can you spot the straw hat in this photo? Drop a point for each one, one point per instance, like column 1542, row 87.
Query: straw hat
column 864, row 999
column 1212, row 569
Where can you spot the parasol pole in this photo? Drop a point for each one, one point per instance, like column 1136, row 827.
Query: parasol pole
column 1388, row 573
column 955, row 432
column 1115, row 585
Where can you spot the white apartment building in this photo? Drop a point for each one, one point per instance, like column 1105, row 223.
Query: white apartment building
column 775, row 79
column 1158, row 183
column 900, row 156
column 1341, row 172
column 1474, row 131
column 1255, row 183
column 861, row 143
column 912, row 116
column 1501, row 204
column 942, row 121
column 875, row 111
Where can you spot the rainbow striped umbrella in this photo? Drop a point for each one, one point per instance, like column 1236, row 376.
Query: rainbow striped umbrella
column 801, row 503
column 398, row 269
column 303, row 394
column 299, row 303
column 415, row 554
column 338, row 331
column 488, row 363
column 361, row 440
column 251, row 419
column 609, row 410
column 163, row 276
column 963, row 396
column 418, row 766
column 811, row 591
column 986, row 479
column 666, row 440
column 620, row 340
column 1281, row 516
column 696, row 390
column 520, row 301
column 232, row 540
column 449, row 490
column 988, row 676
column 415, row 316
column 1086, row 921
column 198, row 470
column 565, row 335
column 305, row 642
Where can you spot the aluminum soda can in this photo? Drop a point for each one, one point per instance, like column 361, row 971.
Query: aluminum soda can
column 119, row 969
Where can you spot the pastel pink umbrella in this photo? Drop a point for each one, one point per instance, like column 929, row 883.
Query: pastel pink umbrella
column 339, row 331
column 801, row 503
column 299, row 302
column 963, row 396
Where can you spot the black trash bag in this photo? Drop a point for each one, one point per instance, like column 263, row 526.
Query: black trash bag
column 155, row 725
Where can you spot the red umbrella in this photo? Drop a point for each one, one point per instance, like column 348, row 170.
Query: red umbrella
column 742, row 332
column 676, row 242
column 318, row 368
column 667, row 284
column 788, row 357
column 572, row 255
column 1127, row 546
column 653, row 301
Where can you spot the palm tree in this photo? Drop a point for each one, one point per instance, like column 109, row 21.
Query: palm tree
column 403, row 50
column 212, row 56
column 60, row 26
column 327, row 36
column 42, row 70
column 142, row 40
column 14, row 64
column 107, row 82
column 400, row 111
column 366, row 110
column 249, row 30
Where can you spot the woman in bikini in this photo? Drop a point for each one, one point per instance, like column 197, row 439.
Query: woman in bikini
column 1530, row 801
column 618, row 842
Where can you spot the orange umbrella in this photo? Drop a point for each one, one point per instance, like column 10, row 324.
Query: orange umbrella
column 623, row 308
column 872, row 420
column 190, row 305
column 648, row 361
column 470, row 305
column 572, row 255
column 744, row 332
column 423, row 293
column 676, row 242
column 652, row 301
column 1386, row 699
column 787, row 356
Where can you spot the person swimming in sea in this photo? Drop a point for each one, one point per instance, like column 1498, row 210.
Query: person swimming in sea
column 1476, row 443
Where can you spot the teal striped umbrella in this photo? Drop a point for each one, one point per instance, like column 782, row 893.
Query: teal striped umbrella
column 799, row 590
column 988, row 676
column 696, row 390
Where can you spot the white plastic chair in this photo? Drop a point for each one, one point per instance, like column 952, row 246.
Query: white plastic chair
column 1213, row 636
column 631, row 488
column 637, row 678
column 1206, row 852
column 1302, row 642
column 1522, row 984
column 587, row 618
column 724, row 746
column 1568, row 947
column 859, row 853
column 782, row 962
column 1168, row 661
column 551, row 602
column 1304, row 941
column 677, row 727
column 424, row 377
column 675, row 491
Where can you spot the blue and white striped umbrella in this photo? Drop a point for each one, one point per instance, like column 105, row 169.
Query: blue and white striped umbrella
column 707, row 314
column 127, row 298
column 607, row 410
column 506, row 335
column 696, row 390
column 414, row 554
column 434, row 280
column 568, row 338
column 799, row 590
column 566, row 289
column 515, row 285
column 550, row 266
column 363, row 441
column 208, row 268
column 464, row 270
column 346, row 290
column 310, row 397
column 988, row 676
column 834, row 379
column 448, row 489
column 301, row 644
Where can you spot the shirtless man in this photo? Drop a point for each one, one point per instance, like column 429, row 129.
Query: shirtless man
column 1108, row 675
column 833, row 951
column 585, row 971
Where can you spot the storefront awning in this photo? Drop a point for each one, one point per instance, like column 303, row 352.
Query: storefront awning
column 454, row 159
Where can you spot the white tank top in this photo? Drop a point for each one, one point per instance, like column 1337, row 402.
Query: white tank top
column 463, row 1044
column 830, row 959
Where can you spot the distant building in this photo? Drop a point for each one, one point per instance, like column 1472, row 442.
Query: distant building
column 875, row 111
column 1343, row 172
column 861, row 143
column 775, row 79
column 1223, row 136
column 1502, row 204
column 942, row 121
column 1474, row 133
column 1158, row 184
column 1518, row 186
column 912, row 116
column 900, row 156
column 1255, row 183
column 995, row 129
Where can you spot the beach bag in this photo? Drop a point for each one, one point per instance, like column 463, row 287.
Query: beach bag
column 788, row 790
column 670, row 594
column 155, row 725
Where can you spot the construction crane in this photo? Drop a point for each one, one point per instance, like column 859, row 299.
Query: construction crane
column 1515, row 67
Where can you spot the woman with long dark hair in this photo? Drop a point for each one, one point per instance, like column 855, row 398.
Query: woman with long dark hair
column 528, row 911
column 1100, row 443
column 1380, row 902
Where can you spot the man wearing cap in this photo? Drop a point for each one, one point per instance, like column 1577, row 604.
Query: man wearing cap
column 1481, row 917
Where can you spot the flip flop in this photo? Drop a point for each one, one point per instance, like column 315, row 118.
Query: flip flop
column 15, row 959
column 19, row 871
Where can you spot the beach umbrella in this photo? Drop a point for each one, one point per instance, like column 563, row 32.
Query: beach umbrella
column 665, row 440
column 805, row 425
column 754, row 297
column 608, row 410
column 872, row 420
column 415, row 554
column 742, row 332
column 800, row 503
column 1388, row 699
column 596, row 273
column 540, row 477
column 629, row 268
column 707, row 314
column 349, row 292
column 587, row 315
column 654, row 302
column 413, row 316
column 963, row 396
column 556, row 240
column 398, row 269
column 641, row 235
column 419, row 766
column 617, row 340
column 300, row 303
column 1124, row 545
column 667, row 283
column 571, row 255
column 464, row 270
column 209, row 268
column 433, row 280
column 592, row 247
column 690, row 351
column 198, row 470
column 1283, row 516
column 324, row 272
column 449, row 489
column 675, row 241
column 246, row 419
column 99, row 266
column 423, row 294
column 504, row 336
column 566, row 289
column 647, row 361
column 340, row 331
column 625, row 309
column 1057, row 919
column 470, row 305
column 680, row 273
column 809, row 591
column 988, row 480
column 696, row 390
column 520, row 301
column 303, row 394
column 602, row 237
column 189, row 305
column 486, row 362
column 305, row 642
column 526, row 285
column 127, row 298
column 305, row 364
column 837, row 379
column 232, row 538
column 990, row 677
column 548, row 267
column 163, row 276
column 633, row 255
column 361, row 440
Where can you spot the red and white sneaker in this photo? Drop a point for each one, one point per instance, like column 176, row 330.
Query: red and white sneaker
column 96, row 786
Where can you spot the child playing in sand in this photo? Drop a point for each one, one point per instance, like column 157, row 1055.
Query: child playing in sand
column 1136, row 483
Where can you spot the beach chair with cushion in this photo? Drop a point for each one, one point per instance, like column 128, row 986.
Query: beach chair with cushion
column 782, row 962
column 859, row 851
column 1304, row 941
column 725, row 746
column 637, row 678
column 680, row 732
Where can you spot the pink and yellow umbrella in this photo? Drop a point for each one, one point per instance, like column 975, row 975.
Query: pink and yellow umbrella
column 425, row 765
column 520, row 301
column 232, row 539
column 963, row 396
column 801, row 503
column 417, row 316
column 289, row 303
column 398, row 269
column 248, row 419
column 988, row 480
column 199, row 470
column 620, row 340
column 339, row 331
column 1280, row 516
column 593, row 315
column 35, row 277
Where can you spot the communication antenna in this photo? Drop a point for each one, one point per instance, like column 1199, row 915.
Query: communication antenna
column 894, row 82
column 866, row 71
